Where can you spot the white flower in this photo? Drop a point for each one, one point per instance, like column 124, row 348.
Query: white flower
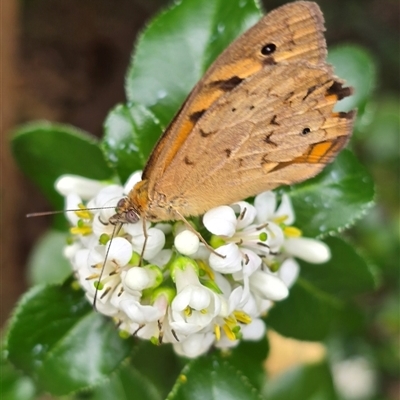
column 181, row 292
column 186, row 242
column 83, row 187
column 268, row 286
column 194, row 306
column 310, row 250
column 355, row 378
column 246, row 240
column 194, row 345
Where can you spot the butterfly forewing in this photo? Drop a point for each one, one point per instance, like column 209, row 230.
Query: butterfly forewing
column 261, row 116
column 290, row 33
column 281, row 132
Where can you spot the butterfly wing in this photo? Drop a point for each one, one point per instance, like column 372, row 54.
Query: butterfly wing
column 290, row 33
column 277, row 127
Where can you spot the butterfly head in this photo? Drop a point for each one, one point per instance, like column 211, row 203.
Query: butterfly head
column 125, row 213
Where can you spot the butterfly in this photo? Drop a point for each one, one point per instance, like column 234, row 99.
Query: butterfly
column 261, row 117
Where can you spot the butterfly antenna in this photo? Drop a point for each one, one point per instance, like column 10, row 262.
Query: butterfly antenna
column 115, row 231
column 44, row 213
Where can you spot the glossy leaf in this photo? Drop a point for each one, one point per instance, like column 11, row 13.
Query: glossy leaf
column 44, row 151
column 212, row 378
column 334, row 199
column 56, row 338
column 46, row 263
column 305, row 382
column 127, row 383
column 177, row 47
column 345, row 275
column 131, row 131
column 249, row 357
column 307, row 314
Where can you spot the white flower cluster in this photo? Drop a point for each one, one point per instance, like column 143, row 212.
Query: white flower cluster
column 182, row 293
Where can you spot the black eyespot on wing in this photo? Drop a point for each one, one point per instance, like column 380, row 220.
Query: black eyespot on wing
column 305, row 131
column 268, row 49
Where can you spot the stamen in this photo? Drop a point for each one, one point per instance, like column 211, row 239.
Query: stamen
column 242, row 214
column 203, row 311
column 228, row 332
column 105, row 292
column 262, row 244
column 292, row 231
column 242, row 317
column 187, row 311
column 90, row 277
column 81, row 230
column 279, row 220
column 206, row 269
column 217, row 331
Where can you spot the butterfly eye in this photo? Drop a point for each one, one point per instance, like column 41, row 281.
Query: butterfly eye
column 268, row 49
column 121, row 203
column 305, row 131
column 131, row 217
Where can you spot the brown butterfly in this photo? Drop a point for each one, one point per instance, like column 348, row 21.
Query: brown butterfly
column 262, row 116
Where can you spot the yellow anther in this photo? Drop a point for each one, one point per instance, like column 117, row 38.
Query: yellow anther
column 231, row 321
column 203, row 311
column 228, row 332
column 242, row 317
column 292, row 231
column 84, row 214
column 90, row 277
column 187, row 311
column 81, row 230
column 279, row 220
column 206, row 268
column 217, row 331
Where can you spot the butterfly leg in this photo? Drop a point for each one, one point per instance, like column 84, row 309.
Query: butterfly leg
column 146, row 236
column 183, row 219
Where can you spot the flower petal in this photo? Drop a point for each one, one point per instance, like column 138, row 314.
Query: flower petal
column 132, row 181
column 268, row 286
column 289, row 272
column 286, row 208
column 232, row 261
column 84, row 187
column 247, row 214
column 310, row 250
column 265, row 204
column 220, row 221
column 187, row 242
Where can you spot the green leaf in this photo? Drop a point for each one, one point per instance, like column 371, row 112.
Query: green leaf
column 307, row 314
column 168, row 365
column 345, row 275
column 305, row 382
column 127, row 383
column 44, row 151
column 14, row 386
column 177, row 47
column 56, row 338
column 357, row 67
column 249, row 357
column 334, row 199
column 131, row 131
column 46, row 262
column 212, row 378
